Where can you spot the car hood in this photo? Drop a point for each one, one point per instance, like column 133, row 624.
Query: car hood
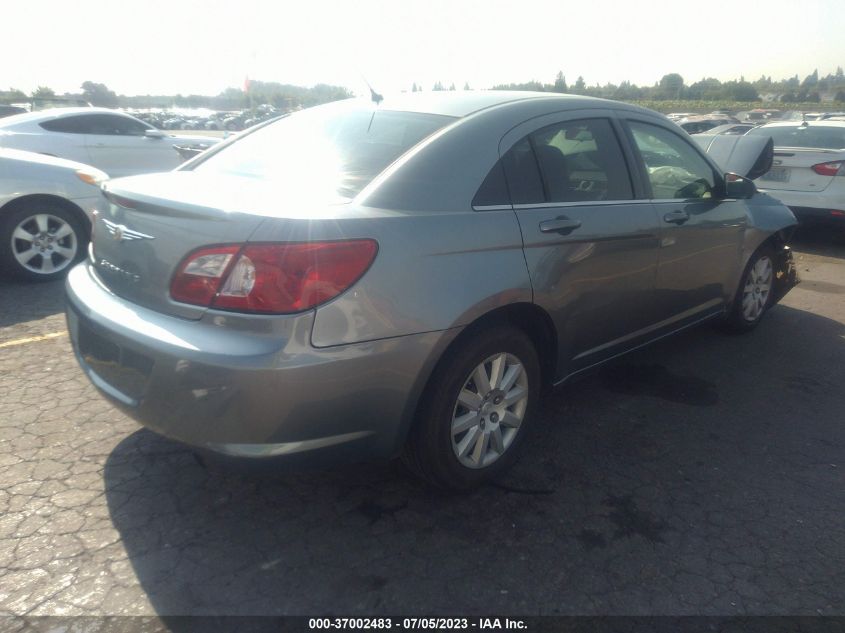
column 21, row 156
column 747, row 156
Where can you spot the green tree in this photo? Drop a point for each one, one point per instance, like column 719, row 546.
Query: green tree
column 560, row 83
column 12, row 94
column 98, row 95
column 580, row 87
column 437, row 86
column 466, row 86
column 811, row 80
column 452, row 86
column 43, row 92
column 671, row 86
column 840, row 96
column 414, row 88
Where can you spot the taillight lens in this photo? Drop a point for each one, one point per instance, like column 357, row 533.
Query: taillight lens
column 198, row 278
column 271, row 278
column 833, row 168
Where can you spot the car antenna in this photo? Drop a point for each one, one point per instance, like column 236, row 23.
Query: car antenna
column 375, row 98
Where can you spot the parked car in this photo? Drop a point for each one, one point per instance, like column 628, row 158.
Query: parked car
column 46, row 208
column 729, row 128
column 699, row 124
column 808, row 174
column 9, row 110
column 362, row 280
column 112, row 141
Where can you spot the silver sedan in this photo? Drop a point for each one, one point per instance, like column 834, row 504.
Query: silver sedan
column 405, row 277
column 46, row 208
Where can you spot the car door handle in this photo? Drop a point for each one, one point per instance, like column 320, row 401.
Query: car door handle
column 562, row 225
column 678, row 216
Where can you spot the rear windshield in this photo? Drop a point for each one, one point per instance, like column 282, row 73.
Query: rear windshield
column 815, row 136
column 330, row 151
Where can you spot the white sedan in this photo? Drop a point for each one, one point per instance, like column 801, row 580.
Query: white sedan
column 115, row 142
column 46, row 208
column 808, row 174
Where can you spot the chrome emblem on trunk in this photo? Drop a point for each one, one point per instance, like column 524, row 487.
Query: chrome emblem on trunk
column 120, row 233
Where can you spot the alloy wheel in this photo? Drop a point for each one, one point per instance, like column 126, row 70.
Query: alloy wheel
column 758, row 287
column 44, row 244
column 489, row 410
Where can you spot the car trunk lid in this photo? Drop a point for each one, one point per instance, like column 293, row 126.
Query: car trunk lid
column 792, row 169
column 154, row 221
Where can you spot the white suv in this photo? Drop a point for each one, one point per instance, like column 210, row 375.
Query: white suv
column 808, row 172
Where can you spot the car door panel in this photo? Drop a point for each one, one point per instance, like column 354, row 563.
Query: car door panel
column 701, row 232
column 592, row 262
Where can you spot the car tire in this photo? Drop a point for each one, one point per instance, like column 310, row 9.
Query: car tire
column 40, row 240
column 755, row 293
column 465, row 431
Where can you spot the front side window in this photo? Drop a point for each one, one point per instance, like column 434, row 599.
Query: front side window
column 115, row 125
column 675, row 169
column 330, row 151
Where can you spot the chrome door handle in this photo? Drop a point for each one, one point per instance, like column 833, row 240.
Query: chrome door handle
column 562, row 225
column 676, row 217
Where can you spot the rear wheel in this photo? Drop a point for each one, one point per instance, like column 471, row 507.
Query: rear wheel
column 40, row 240
column 474, row 413
column 755, row 292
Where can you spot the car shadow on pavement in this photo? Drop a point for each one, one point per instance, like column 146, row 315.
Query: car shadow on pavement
column 29, row 301
column 820, row 240
column 664, row 484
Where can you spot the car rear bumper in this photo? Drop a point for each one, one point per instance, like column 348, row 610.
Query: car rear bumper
column 244, row 393
column 812, row 207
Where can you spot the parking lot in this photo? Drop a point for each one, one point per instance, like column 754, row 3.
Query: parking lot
column 702, row 475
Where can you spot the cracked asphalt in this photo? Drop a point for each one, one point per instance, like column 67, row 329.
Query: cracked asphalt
column 702, row 475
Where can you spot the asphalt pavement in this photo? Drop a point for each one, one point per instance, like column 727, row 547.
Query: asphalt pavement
column 702, row 475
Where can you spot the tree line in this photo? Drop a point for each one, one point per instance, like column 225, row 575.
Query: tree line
column 671, row 87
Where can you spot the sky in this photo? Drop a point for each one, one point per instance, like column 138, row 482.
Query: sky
column 205, row 46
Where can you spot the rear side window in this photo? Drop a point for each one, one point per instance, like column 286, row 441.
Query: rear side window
column 811, row 136
column 68, row 124
column 581, row 161
column 675, row 169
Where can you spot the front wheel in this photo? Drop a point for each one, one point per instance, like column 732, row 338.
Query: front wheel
column 475, row 411
column 755, row 292
column 40, row 241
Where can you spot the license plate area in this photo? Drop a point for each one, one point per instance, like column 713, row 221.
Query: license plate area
column 123, row 369
column 776, row 174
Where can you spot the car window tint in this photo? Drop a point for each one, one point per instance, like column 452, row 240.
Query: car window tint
column 675, row 169
column 820, row 136
column 523, row 175
column 68, row 125
column 115, row 125
column 494, row 189
column 581, row 161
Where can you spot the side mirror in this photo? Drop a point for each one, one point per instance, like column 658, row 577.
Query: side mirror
column 154, row 134
column 739, row 187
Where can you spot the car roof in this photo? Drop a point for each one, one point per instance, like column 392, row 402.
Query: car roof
column 465, row 102
column 824, row 123
column 54, row 113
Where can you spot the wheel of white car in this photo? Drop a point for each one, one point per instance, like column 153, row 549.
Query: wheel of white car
column 755, row 293
column 474, row 413
column 40, row 240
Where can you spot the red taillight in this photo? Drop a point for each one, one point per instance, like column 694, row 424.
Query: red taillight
column 272, row 278
column 833, row 168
